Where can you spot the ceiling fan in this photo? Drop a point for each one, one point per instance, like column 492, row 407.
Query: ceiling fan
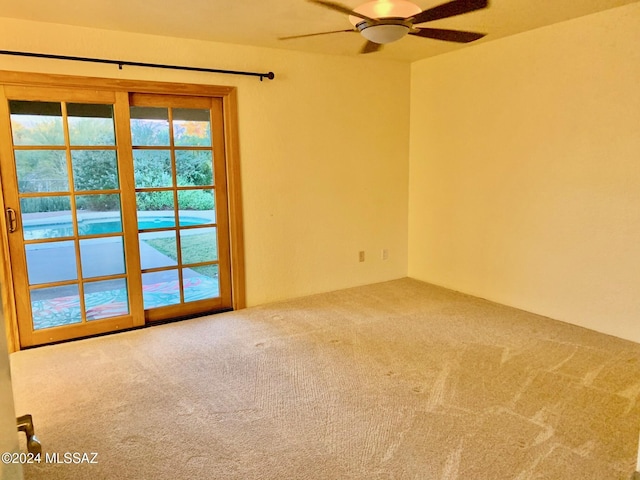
column 386, row 21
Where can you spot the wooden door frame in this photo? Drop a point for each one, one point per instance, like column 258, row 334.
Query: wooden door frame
column 232, row 163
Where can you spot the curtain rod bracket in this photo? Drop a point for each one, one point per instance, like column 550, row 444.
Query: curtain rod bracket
column 121, row 63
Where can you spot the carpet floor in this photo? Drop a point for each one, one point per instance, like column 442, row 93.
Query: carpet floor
column 397, row 380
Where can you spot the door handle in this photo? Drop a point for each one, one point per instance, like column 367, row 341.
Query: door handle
column 12, row 220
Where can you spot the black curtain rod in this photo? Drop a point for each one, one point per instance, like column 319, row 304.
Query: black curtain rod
column 121, row 63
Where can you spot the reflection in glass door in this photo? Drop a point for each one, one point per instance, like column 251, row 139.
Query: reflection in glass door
column 68, row 232
column 182, row 238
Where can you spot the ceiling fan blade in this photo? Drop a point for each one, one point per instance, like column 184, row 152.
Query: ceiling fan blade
column 370, row 47
column 449, row 9
column 316, row 34
column 458, row 36
column 338, row 7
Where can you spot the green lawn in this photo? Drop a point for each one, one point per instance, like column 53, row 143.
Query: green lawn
column 195, row 249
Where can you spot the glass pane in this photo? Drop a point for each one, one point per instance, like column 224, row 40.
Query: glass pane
column 196, row 207
column 198, row 245
column 36, row 123
column 149, row 126
column 98, row 214
column 106, row 299
column 200, row 283
column 194, row 168
column 95, row 169
column 90, row 124
column 102, row 256
column 155, row 209
column 51, row 262
column 191, row 127
column 152, row 168
column 46, row 217
column 158, row 249
column 160, row 289
column 55, row 306
column 42, row 171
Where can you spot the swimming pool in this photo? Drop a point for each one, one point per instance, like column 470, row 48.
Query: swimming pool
column 99, row 226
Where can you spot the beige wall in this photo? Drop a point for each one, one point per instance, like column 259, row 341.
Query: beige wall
column 324, row 149
column 525, row 171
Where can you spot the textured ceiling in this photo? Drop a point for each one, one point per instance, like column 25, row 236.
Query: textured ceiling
column 261, row 22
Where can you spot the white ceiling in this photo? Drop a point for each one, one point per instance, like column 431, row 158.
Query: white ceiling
column 261, row 22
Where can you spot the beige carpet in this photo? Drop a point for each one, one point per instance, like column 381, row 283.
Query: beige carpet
column 399, row 380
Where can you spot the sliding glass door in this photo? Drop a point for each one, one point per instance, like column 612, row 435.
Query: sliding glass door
column 112, row 209
column 177, row 146
column 73, row 269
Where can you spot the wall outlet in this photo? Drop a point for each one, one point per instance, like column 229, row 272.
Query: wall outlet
column 361, row 255
column 385, row 254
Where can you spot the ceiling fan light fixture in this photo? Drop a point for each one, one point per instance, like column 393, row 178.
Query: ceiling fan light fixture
column 393, row 15
column 383, row 33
